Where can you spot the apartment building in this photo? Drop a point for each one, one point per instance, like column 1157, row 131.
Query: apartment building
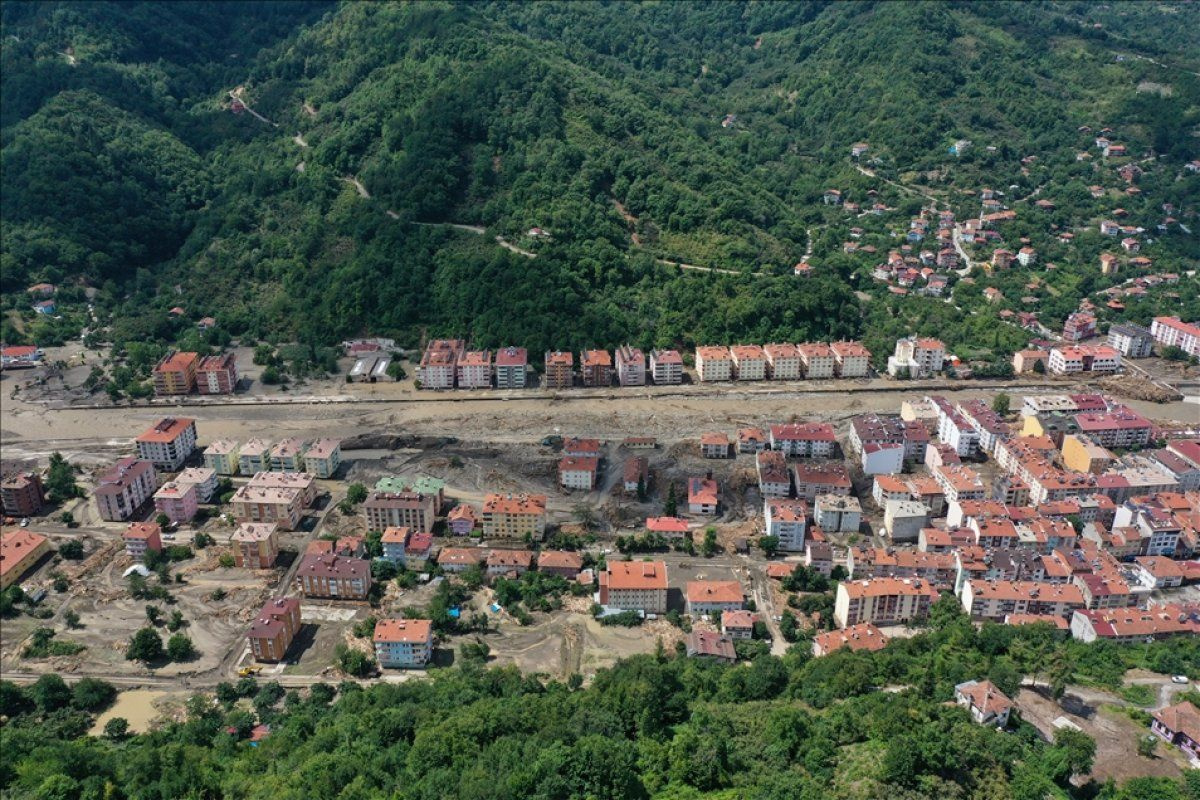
column 203, row 478
column 217, row 374
column 273, row 629
column 459, row 559
column 323, row 457
column 564, row 563
column 302, row 482
column 783, row 362
column 175, row 373
column 715, row 445
column 714, row 363
column 414, row 510
column 868, row 429
column 260, row 504
column 631, row 366
column 508, row 563
column 177, row 500
column 254, row 456
column 560, row 370
column 1119, row 428
column 671, row 528
column 828, row 477
column 917, row 358
column 288, row 455
column 1083, row 358
column 124, row 487
column 334, row 577
column 578, row 472
column 511, row 516
column 850, row 359
column 883, row 601
column 474, row 369
column 818, row 360
column 255, row 545
column 837, row 513
column 904, row 519
column 752, row 440
column 1078, row 326
column 140, row 537
column 666, row 367
column 749, row 362
column 990, row 428
column 636, row 472
column 706, row 597
column 994, row 600
column 1135, row 625
column 804, row 440
column 774, row 480
column 1172, row 332
column 1131, row 341
column 738, row 624
column 787, row 520
column 21, row 494
column 512, row 365
column 878, row 562
column 222, row 457
column 168, row 443
column 403, row 643
column 596, row 367
column 634, row 586
column 439, row 363
column 20, row 550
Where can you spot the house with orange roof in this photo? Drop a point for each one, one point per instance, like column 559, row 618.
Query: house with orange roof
column 861, row 637
column 511, row 516
column 783, row 362
column 749, row 362
column 986, row 704
column 596, row 367
column 401, row 643
column 706, row 597
column 168, row 443
column 714, row 363
column 715, row 445
column 634, row 586
column 703, row 496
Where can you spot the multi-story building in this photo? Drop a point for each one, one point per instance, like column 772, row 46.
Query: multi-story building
column 268, row 504
column 869, row 429
column 828, row 477
column 217, row 374
column 595, row 367
column 904, row 519
column 804, row 440
column 140, row 537
column 508, row 563
column 203, row 479
column 1078, row 326
column 288, row 455
column 877, row 562
column 302, row 482
column 636, row 472
column 1131, row 341
column 635, row 586
column 850, row 359
column 21, row 494
column 396, row 509
column 1134, row 625
column 990, row 428
column 323, row 457
column 993, row 600
column 273, row 629
column 1120, row 427
column 786, row 520
column 474, row 369
column 714, row 363
column 459, row 559
column 864, row 637
column 917, row 358
column 20, row 549
column 883, row 601
column 1083, row 358
column 818, row 360
column 439, row 363
column 959, row 482
column 715, row 445
column 403, row 643
column 511, row 516
column 254, row 456
column 511, row 366
column 774, row 480
column 560, row 370
column 176, row 373
column 1172, row 332
column 564, row 563
column 255, row 545
column 578, row 472
column 124, row 487
column 703, row 496
column 334, row 577
column 168, row 443
column 631, row 366
column 738, row 624
column 783, row 362
column 705, row 597
column 222, row 457
column 837, row 513
column 666, row 367
column 749, row 362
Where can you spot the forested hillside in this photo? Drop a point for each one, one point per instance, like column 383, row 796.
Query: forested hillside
column 661, row 726
column 702, row 133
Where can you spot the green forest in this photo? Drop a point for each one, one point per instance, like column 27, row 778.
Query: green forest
column 130, row 182
column 655, row 726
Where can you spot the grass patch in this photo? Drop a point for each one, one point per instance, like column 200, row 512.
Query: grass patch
column 1139, row 694
column 42, row 644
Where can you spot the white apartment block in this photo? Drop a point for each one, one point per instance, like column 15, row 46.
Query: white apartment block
column 749, row 362
column 920, row 358
column 631, row 366
column 817, row 359
column 850, row 359
column 1172, row 332
column 666, row 367
column 783, row 362
column 474, row 369
column 714, row 364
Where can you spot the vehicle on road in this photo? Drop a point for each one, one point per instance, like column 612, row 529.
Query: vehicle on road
column 246, row 671
column 1179, row 679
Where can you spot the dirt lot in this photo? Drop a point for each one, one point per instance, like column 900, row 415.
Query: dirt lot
column 1115, row 734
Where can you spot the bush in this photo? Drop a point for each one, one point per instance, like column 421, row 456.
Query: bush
column 354, row 662
column 116, row 729
column 92, row 695
column 43, row 645
column 72, row 549
column 146, row 646
column 180, row 648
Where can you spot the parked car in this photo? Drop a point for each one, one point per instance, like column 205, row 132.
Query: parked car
column 1179, row 679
